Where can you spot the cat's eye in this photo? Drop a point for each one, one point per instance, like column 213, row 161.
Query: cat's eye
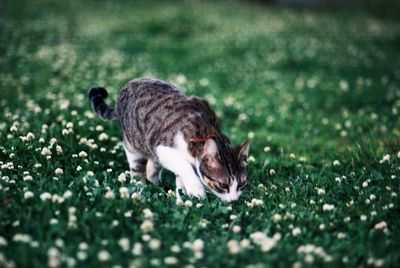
column 242, row 185
column 223, row 186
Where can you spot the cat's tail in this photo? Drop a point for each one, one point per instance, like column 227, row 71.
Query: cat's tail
column 97, row 95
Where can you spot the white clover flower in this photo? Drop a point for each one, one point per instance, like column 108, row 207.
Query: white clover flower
column 28, row 194
column 255, row 202
column 103, row 136
column 242, row 117
column 204, row 82
column 296, row 231
column 257, row 237
column 267, row 149
column 175, row 249
column 124, row 192
column 146, row 237
column 320, row 191
column 82, row 154
column 122, row 177
column 148, row 214
column 24, row 238
column 124, row 243
column 83, row 246
column 30, row 136
column 292, row 156
column 363, row 218
column 336, row 163
column 137, row 249
column 328, row 207
column 155, row 262
column 147, row 226
column 81, row 255
column 266, row 243
column 341, row 235
column 45, row 151
column 109, row 195
column 45, row 196
column 233, row 247
column 59, row 150
column 3, row 242
column 28, row 178
column 59, row 171
column 277, row 217
column 103, row 255
column 128, row 214
column 236, row 228
column 188, row 203
column 69, row 125
column 154, row 243
column 386, row 158
column 309, row 258
column 272, row 172
column 67, row 194
column 245, row 243
column 197, row 245
column 135, row 196
column 380, row 225
column 180, row 79
column 170, row 260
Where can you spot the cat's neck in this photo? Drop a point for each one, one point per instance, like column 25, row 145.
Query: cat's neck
column 196, row 142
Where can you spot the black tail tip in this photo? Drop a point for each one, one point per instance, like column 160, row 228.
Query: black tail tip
column 97, row 92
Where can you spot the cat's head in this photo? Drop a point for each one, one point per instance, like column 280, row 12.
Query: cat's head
column 223, row 168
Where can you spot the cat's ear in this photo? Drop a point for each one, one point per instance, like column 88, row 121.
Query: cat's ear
column 210, row 148
column 244, row 150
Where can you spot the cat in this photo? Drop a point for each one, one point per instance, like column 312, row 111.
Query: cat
column 163, row 128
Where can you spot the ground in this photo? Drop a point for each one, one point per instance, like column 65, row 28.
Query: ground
column 315, row 91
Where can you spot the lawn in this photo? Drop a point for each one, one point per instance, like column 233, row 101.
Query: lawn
column 317, row 92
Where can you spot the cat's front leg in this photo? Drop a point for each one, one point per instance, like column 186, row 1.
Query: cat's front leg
column 172, row 159
column 193, row 186
column 179, row 187
column 153, row 171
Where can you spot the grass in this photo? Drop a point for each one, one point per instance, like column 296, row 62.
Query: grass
column 316, row 91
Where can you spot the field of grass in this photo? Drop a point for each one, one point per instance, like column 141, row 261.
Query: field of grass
column 316, row 91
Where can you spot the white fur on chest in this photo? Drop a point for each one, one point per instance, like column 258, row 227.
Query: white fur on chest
column 179, row 160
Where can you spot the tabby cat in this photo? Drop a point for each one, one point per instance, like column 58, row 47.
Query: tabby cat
column 162, row 127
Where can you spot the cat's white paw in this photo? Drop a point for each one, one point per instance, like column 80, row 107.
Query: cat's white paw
column 196, row 192
column 179, row 187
